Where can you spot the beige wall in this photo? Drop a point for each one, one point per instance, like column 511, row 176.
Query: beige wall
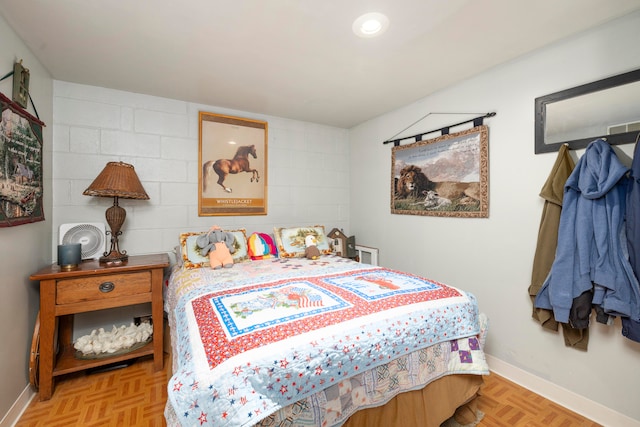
column 24, row 248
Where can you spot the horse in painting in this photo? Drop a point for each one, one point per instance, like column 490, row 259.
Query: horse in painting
column 224, row 167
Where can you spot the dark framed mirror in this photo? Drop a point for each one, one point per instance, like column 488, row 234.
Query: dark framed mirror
column 607, row 108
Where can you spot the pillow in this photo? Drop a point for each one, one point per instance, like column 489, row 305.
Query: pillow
column 261, row 246
column 290, row 241
column 191, row 254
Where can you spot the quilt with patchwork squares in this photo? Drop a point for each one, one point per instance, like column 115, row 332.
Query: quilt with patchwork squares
column 308, row 342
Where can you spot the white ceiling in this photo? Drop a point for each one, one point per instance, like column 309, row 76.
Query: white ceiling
column 291, row 58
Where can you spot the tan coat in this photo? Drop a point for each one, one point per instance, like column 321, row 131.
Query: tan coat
column 552, row 192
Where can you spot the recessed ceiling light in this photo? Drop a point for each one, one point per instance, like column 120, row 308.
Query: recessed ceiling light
column 370, row 24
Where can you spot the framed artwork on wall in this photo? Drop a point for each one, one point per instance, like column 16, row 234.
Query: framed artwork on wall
column 20, row 165
column 444, row 176
column 232, row 157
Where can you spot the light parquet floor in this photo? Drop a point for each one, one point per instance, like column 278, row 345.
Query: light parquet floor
column 506, row 404
column 131, row 396
column 136, row 395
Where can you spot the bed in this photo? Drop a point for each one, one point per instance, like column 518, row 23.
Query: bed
column 288, row 341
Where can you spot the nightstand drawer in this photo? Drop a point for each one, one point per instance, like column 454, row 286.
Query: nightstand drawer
column 70, row 291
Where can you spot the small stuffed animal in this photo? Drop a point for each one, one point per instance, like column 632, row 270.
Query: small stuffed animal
column 311, row 249
column 218, row 244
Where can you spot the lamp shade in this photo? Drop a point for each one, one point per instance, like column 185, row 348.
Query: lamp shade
column 117, row 179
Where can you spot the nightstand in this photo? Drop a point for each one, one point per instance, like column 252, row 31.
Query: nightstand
column 89, row 288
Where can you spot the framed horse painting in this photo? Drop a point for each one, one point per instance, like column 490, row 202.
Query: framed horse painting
column 232, row 156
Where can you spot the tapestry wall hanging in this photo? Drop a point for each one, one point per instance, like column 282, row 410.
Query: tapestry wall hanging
column 233, row 160
column 443, row 176
column 20, row 165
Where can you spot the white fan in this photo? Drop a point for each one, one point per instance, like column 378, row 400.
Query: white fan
column 92, row 236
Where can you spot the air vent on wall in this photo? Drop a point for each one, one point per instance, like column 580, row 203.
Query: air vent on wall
column 92, row 236
column 624, row 128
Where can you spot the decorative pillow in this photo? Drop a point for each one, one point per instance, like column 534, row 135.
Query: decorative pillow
column 191, row 254
column 261, row 246
column 290, row 241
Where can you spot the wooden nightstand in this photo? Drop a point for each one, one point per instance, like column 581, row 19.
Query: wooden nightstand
column 89, row 288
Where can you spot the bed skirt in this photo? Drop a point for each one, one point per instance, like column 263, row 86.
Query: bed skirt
column 427, row 407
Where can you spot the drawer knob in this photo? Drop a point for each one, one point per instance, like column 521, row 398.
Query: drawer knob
column 106, row 287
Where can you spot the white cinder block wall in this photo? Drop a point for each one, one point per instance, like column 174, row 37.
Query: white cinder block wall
column 308, row 166
column 308, row 169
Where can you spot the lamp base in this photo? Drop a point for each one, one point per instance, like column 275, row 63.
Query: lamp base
column 115, row 218
column 114, row 257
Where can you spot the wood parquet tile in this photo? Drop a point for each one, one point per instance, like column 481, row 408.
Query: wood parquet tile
column 132, row 396
column 136, row 395
column 506, row 404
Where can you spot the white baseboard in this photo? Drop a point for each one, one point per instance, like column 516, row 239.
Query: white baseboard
column 15, row 412
column 568, row 399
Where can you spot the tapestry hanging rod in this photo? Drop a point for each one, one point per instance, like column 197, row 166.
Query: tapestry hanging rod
column 444, row 130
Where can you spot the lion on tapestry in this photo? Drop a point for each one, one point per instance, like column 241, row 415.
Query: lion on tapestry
column 413, row 183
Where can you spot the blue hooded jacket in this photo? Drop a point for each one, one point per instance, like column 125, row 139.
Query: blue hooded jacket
column 631, row 328
column 590, row 255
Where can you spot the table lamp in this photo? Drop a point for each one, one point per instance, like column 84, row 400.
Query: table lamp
column 117, row 180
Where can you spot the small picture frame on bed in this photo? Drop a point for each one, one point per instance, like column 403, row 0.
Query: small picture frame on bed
column 232, row 158
column 443, row 176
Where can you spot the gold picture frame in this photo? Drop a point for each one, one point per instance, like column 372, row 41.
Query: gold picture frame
column 443, row 176
column 232, row 158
